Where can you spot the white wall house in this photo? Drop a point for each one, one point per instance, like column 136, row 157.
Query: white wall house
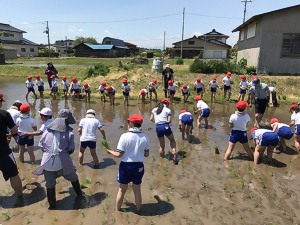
column 12, row 38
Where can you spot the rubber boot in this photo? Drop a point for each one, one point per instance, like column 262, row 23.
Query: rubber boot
column 51, row 198
column 77, row 188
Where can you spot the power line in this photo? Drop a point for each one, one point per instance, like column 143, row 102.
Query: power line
column 217, row 17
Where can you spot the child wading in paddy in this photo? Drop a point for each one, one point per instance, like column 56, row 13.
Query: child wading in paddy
column 199, row 86
column 75, row 88
column 65, row 85
column 40, row 84
column 111, row 93
column 244, row 84
column 185, row 92
column 30, row 87
column 126, row 90
column 227, row 85
column 142, row 95
column 204, row 111
column 171, row 90
column 283, row 131
column 213, row 85
column 295, row 121
column 54, row 88
column 86, row 91
column 186, row 120
column 101, row 90
column 152, row 86
column 238, row 122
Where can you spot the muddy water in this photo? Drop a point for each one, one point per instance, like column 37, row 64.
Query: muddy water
column 202, row 189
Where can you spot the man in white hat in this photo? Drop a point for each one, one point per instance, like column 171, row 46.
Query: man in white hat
column 88, row 130
column 14, row 110
column 167, row 74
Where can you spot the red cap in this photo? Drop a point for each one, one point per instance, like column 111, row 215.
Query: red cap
column 293, row 106
column 142, row 92
column 182, row 111
column 74, row 80
column 228, row 74
column 253, row 129
column 170, row 82
column 274, row 120
column 243, row 77
column 64, row 78
column 85, row 85
column 103, row 83
column 109, row 88
column 241, row 105
column 184, row 86
column 135, row 118
column 165, row 100
column 29, row 77
column 214, row 78
column 198, row 97
column 52, row 77
column 253, row 77
column 1, row 97
column 154, row 81
column 24, row 108
column 124, row 80
column 198, row 79
column 37, row 76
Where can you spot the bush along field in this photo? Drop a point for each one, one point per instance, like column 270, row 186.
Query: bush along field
column 93, row 71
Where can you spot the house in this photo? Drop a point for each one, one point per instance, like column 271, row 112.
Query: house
column 12, row 38
column 66, row 43
column 211, row 45
column 110, row 48
column 62, row 46
column 271, row 41
column 133, row 49
column 59, row 48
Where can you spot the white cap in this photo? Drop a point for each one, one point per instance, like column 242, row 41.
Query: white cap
column 91, row 111
column 18, row 101
column 46, row 112
column 168, row 66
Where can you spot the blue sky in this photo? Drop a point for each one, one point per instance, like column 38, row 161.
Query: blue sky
column 140, row 22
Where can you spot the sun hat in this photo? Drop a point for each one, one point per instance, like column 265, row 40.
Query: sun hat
column 170, row 82
column 135, row 118
column 37, row 76
column 18, row 102
column 29, row 77
column 168, row 66
column 241, row 105
column 124, row 80
column 24, row 108
column 1, row 97
column 91, row 111
column 293, row 106
column 61, row 123
column 46, row 112
column 165, row 100
column 52, row 77
column 253, row 129
column 198, row 79
column 182, row 111
column 154, row 81
column 274, row 120
column 198, row 97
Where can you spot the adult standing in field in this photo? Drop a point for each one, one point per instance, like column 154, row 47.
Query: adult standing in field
column 167, row 75
column 8, row 165
column 259, row 95
column 14, row 110
column 51, row 70
column 132, row 148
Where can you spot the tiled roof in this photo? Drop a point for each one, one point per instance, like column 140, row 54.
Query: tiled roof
column 7, row 27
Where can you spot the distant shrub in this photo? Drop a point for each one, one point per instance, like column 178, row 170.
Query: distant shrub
column 214, row 66
column 251, row 70
column 179, row 61
column 45, row 53
column 243, row 63
column 97, row 70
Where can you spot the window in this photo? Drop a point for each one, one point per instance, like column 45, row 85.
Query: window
column 31, row 49
column 58, row 50
column 8, row 35
column 251, row 30
column 191, row 42
column 242, row 35
column 290, row 45
column 23, row 49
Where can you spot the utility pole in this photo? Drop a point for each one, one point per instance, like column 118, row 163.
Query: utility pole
column 182, row 32
column 245, row 8
column 47, row 32
column 164, row 47
column 66, row 44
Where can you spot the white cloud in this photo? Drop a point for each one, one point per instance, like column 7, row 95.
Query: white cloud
column 74, row 29
column 108, row 33
column 197, row 33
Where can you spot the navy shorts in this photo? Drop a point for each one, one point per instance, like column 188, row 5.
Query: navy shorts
column 31, row 89
column 242, row 91
column 54, row 89
column 65, row 90
column 90, row 144
column 297, row 129
column 227, row 88
column 172, row 92
column 8, row 166
column 75, row 90
column 152, row 90
column 163, row 130
column 269, row 139
column 261, row 105
column 130, row 172
column 238, row 136
column 112, row 93
column 199, row 90
column 187, row 120
column 87, row 91
column 40, row 88
column 213, row 90
column 205, row 113
column 125, row 93
column 185, row 93
column 27, row 140
column 102, row 92
column 285, row 132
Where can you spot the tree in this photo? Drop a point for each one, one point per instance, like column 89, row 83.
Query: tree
column 79, row 39
column 233, row 51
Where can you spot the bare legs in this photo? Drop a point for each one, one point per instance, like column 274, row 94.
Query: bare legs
column 30, row 152
column 231, row 148
column 93, row 153
column 137, row 194
column 16, row 184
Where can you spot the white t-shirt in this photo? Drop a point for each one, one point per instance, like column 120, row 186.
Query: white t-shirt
column 279, row 125
column 199, row 85
column 227, row 81
column 133, row 143
column 75, row 85
column 202, row 105
column 126, row 88
column 43, row 128
column 15, row 114
column 101, row 88
column 54, row 83
column 152, row 85
column 239, row 121
column 86, row 89
column 213, row 84
column 244, row 84
column 186, row 90
column 172, row 87
column 89, row 127
column 64, row 84
column 257, row 134
column 25, row 123
column 163, row 116
column 29, row 84
column 185, row 113
column 39, row 82
column 296, row 117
